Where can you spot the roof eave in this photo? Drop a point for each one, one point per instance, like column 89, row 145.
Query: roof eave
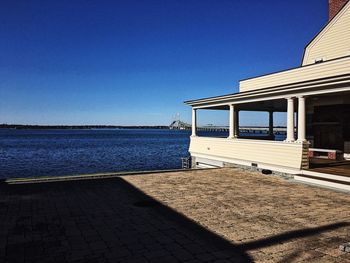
column 271, row 91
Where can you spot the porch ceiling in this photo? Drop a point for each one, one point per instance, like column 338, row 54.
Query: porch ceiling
column 279, row 105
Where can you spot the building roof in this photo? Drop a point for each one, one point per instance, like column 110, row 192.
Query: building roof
column 289, row 84
column 342, row 13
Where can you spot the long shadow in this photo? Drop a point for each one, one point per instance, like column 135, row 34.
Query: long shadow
column 300, row 233
column 101, row 220
column 109, row 220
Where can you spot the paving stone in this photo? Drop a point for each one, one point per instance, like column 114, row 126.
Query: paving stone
column 152, row 255
column 183, row 255
column 205, row 257
column 221, row 215
column 252, row 210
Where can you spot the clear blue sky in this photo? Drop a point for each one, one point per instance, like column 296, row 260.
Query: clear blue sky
column 134, row 62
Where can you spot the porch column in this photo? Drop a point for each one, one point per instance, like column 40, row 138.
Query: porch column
column 290, row 120
column 194, row 122
column 236, row 128
column 301, row 119
column 232, row 121
column 271, row 123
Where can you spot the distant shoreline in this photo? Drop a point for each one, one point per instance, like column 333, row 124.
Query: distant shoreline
column 89, row 127
column 76, row 127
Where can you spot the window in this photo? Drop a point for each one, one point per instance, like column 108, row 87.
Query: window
column 319, row 60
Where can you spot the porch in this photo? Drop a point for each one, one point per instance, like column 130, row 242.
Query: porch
column 316, row 116
column 318, row 121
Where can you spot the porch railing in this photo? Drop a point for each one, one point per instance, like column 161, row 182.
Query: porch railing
column 292, row 155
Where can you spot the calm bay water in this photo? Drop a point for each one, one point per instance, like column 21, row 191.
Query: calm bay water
column 26, row 153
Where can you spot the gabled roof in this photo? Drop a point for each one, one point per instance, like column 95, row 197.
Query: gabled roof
column 325, row 28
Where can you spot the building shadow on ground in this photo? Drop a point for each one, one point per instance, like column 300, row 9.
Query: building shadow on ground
column 109, row 220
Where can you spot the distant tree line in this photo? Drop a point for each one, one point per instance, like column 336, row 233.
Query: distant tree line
column 71, row 127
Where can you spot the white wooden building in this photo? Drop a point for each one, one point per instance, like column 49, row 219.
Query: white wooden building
column 317, row 92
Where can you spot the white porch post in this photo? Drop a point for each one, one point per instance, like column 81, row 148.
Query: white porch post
column 271, row 123
column 290, row 120
column 301, row 119
column 232, row 121
column 236, row 128
column 194, row 122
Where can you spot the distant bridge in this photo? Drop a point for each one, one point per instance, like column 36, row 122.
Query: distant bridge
column 180, row 125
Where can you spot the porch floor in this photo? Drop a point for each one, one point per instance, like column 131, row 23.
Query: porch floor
column 330, row 166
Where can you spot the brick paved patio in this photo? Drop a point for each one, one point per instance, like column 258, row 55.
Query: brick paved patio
column 221, row 215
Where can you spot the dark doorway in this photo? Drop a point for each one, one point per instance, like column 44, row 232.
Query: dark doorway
column 329, row 136
column 331, row 126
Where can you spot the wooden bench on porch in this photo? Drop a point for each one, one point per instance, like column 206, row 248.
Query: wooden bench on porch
column 331, row 154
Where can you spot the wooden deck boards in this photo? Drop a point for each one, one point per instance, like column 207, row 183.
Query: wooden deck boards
column 331, row 167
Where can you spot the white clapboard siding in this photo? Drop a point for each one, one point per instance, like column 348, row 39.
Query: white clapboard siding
column 333, row 41
column 284, row 154
column 317, row 71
